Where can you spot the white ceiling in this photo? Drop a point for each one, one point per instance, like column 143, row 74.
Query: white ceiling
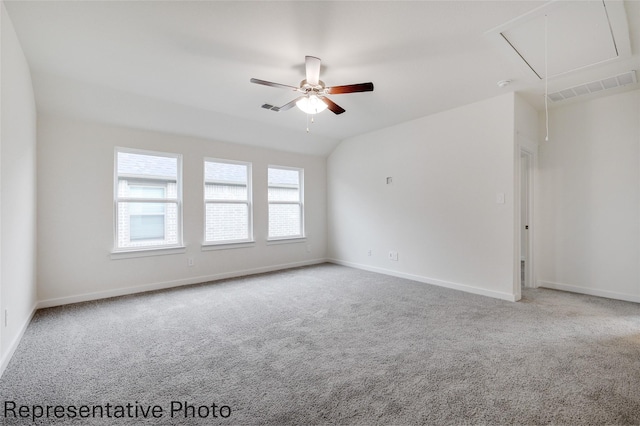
column 184, row 66
column 591, row 30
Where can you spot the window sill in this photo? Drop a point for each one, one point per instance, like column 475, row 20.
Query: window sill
column 292, row 240
column 227, row 246
column 146, row 252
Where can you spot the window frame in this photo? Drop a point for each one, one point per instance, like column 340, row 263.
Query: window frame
column 300, row 203
column 212, row 245
column 145, row 180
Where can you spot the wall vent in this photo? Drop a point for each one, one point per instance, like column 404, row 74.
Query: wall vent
column 594, row 86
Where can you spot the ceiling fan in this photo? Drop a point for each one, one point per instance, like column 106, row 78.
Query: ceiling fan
column 314, row 92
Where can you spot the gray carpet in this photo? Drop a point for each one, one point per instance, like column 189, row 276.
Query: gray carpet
column 332, row 345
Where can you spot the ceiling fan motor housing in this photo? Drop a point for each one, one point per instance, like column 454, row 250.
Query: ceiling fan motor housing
column 318, row 89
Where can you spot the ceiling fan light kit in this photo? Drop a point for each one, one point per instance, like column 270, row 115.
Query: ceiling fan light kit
column 311, row 104
column 314, row 92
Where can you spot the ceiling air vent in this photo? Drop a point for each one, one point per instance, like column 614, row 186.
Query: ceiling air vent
column 594, row 86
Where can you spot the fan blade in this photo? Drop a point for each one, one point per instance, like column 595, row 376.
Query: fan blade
column 312, row 66
column 271, row 84
column 333, row 107
column 350, row 88
column 290, row 104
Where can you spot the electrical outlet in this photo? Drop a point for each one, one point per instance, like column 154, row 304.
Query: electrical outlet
column 393, row 255
column 369, row 253
column 308, row 248
column 6, row 317
column 191, row 261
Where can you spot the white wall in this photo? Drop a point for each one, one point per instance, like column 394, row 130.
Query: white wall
column 17, row 191
column 440, row 213
column 75, row 217
column 588, row 210
column 526, row 119
column 63, row 95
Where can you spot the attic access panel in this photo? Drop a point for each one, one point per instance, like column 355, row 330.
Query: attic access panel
column 579, row 34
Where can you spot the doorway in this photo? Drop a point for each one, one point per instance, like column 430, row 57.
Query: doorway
column 526, row 203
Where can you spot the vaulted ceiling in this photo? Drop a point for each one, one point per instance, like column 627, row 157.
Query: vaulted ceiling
column 184, row 66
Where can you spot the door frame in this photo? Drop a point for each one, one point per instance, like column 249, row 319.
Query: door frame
column 524, row 150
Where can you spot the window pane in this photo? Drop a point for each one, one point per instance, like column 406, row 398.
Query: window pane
column 226, row 222
column 147, row 227
column 225, row 192
column 284, row 185
column 147, row 188
column 278, row 177
column 283, row 194
column 147, row 208
column 225, row 172
column 284, row 220
column 140, row 191
column 147, row 166
column 147, row 224
column 225, row 181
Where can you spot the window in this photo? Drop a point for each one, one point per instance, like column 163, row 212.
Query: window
column 148, row 200
column 286, row 209
column 227, row 198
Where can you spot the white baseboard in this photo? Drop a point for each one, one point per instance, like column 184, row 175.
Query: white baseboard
column 16, row 341
column 589, row 291
column 170, row 284
column 455, row 286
